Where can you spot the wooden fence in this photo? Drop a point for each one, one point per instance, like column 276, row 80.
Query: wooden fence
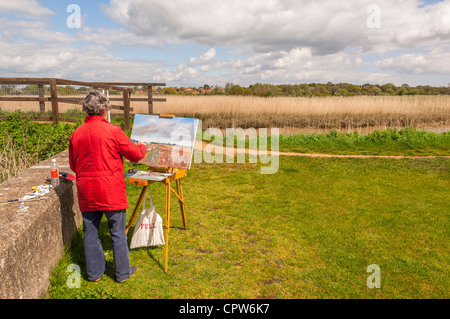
column 50, row 86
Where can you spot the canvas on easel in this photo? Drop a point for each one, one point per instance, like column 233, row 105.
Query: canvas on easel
column 170, row 141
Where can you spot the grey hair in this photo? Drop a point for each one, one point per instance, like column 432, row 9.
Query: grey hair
column 96, row 103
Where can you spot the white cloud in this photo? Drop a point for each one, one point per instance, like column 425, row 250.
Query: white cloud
column 433, row 62
column 295, row 66
column 117, row 37
column 326, row 26
column 118, row 10
column 271, row 41
column 184, row 73
column 31, row 30
column 293, row 57
column 90, row 63
column 30, row 9
column 206, row 57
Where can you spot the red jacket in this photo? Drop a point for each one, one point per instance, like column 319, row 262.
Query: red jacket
column 96, row 152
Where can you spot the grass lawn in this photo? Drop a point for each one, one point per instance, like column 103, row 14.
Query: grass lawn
column 309, row 231
column 408, row 141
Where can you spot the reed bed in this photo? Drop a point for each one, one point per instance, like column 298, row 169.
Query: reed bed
column 341, row 113
column 315, row 112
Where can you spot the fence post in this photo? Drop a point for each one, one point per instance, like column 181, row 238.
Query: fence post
column 126, row 108
column 150, row 99
column 41, row 95
column 54, row 94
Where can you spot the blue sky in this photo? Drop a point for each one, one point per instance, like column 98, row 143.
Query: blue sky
column 191, row 43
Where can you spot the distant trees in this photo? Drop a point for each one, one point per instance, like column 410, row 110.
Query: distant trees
column 335, row 89
column 311, row 89
column 238, row 90
column 170, row 90
column 67, row 90
column 6, row 89
column 257, row 89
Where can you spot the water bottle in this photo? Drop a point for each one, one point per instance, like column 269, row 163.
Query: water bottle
column 54, row 171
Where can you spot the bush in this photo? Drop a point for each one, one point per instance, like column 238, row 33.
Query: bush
column 24, row 143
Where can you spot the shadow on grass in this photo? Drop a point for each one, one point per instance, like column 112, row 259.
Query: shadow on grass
column 76, row 249
column 146, row 249
column 151, row 249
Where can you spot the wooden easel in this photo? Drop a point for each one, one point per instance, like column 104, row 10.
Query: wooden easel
column 177, row 175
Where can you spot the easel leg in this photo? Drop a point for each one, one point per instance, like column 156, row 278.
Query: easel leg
column 167, row 223
column 180, row 193
column 141, row 197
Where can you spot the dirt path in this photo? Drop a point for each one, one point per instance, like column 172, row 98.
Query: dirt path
column 220, row 150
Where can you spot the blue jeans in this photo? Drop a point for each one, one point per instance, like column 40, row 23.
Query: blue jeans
column 93, row 250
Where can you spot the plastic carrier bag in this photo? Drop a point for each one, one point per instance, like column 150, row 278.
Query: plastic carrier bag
column 149, row 228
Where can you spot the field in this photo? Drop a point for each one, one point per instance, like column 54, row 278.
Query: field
column 295, row 114
column 319, row 114
column 309, row 231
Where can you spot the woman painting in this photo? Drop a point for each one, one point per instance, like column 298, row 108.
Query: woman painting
column 96, row 154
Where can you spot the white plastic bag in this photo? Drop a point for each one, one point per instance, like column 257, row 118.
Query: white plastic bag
column 149, row 228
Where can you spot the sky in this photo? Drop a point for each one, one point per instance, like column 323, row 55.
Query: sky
column 193, row 42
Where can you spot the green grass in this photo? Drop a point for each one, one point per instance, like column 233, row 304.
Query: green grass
column 30, row 137
column 408, row 141
column 309, row 231
column 23, row 143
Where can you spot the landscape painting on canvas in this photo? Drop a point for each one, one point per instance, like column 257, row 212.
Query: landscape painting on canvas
column 170, row 141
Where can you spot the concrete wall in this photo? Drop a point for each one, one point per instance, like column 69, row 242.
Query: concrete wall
column 32, row 242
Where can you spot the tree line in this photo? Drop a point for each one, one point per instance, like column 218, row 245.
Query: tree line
column 313, row 89
column 257, row 89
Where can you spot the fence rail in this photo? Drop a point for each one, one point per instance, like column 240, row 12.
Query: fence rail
column 60, row 91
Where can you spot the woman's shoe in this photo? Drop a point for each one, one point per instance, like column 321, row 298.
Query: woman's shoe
column 133, row 270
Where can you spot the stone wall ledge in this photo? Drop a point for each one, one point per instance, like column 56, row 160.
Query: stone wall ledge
column 32, row 241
